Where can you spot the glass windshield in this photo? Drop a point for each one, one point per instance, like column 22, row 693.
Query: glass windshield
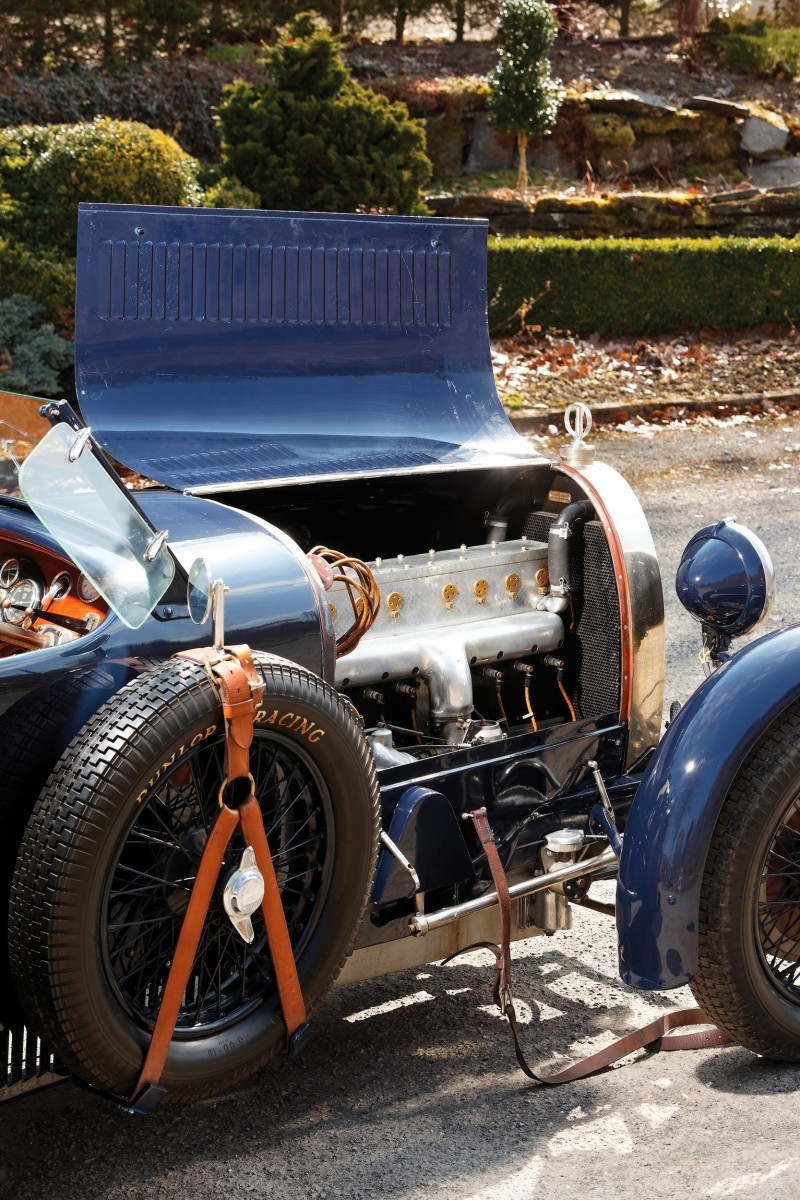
column 15, row 446
column 96, row 524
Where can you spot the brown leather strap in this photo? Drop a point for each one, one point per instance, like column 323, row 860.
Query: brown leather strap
column 280, row 946
column 186, row 949
column 502, row 987
column 241, row 690
column 234, row 672
column 650, row 1037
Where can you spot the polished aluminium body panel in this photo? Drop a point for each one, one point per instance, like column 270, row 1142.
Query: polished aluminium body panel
column 641, row 603
column 676, row 808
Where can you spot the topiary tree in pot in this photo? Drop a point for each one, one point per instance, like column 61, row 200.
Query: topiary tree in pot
column 524, row 97
column 311, row 138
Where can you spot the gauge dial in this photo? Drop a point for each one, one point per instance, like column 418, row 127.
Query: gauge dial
column 22, row 595
column 9, row 572
column 61, row 585
column 87, row 591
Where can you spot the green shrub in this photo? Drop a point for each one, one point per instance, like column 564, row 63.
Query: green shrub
column 34, row 350
column 763, row 50
column 229, row 193
column 311, row 138
column 176, row 95
column 47, row 277
column 47, row 169
column 638, row 285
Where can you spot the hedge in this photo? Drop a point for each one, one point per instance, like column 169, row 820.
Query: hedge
column 632, row 285
column 643, row 285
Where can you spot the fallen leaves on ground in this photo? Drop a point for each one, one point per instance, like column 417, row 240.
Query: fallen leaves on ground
column 541, row 371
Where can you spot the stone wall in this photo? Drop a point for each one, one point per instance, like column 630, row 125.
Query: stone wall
column 748, row 212
column 625, row 133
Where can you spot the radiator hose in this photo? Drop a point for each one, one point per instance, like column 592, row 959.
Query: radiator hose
column 558, row 543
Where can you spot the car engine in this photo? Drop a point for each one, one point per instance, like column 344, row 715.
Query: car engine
column 443, row 618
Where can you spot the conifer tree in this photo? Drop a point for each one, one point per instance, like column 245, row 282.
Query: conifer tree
column 312, row 138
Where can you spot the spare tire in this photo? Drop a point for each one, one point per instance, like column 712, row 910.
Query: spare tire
column 34, row 733
column 111, row 851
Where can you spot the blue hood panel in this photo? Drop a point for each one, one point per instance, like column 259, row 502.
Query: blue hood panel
column 219, row 348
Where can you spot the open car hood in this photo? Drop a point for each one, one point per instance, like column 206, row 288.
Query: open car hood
column 217, row 349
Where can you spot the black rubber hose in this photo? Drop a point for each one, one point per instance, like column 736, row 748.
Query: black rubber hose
column 519, row 496
column 558, row 541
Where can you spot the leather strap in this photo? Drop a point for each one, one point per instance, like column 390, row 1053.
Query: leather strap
column 280, row 946
column 650, row 1037
column 186, row 949
column 502, row 985
column 241, row 689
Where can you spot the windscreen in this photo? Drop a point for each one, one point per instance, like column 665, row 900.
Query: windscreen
column 95, row 522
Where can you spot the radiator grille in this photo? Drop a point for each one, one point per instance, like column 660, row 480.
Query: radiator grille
column 593, row 651
column 25, row 1062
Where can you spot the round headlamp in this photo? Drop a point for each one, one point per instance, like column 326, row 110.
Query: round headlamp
column 726, row 579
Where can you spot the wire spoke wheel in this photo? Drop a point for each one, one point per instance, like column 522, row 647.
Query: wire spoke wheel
column 112, row 849
column 748, row 974
column 150, row 884
column 778, row 905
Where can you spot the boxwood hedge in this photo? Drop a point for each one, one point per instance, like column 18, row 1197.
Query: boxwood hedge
column 638, row 285
column 45, row 170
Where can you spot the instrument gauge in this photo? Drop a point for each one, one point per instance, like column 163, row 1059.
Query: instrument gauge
column 22, row 595
column 86, row 590
column 9, row 572
column 61, row 585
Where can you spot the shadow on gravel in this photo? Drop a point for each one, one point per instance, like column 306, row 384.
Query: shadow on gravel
column 745, row 1074
column 408, row 1087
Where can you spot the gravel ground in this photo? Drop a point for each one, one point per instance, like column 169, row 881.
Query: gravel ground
column 409, row 1088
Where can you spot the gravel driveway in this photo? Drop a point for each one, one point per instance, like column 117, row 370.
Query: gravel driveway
column 409, row 1088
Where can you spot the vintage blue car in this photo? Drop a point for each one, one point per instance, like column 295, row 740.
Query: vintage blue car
column 488, row 632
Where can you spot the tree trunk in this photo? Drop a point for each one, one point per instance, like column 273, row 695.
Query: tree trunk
column 400, row 14
column 522, row 169
column 38, row 41
column 108, row 34
column 624, row 18
column 216, row 22
column 461, row 19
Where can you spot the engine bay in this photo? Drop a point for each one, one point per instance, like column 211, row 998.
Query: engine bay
column 515, row 628
column 474, row 643
column 446, row 623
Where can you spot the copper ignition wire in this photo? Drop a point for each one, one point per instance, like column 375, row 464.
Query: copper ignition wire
column 567, row 701
column 529, row 707
column 361, row 585
column 502, row 708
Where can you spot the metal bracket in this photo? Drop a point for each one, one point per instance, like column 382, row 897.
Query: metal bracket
column 603, row 814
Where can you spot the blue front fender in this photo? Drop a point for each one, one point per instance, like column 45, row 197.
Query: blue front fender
column 676, row 808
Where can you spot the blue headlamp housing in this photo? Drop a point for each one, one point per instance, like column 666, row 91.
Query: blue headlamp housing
column 726, row 580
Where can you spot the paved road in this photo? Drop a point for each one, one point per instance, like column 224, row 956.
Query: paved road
column 409, row 1088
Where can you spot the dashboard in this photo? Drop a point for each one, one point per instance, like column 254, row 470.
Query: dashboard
column 44, row 599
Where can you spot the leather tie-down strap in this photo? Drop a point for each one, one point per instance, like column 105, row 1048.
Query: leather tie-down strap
column 241, row 689
column 651, row 1037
